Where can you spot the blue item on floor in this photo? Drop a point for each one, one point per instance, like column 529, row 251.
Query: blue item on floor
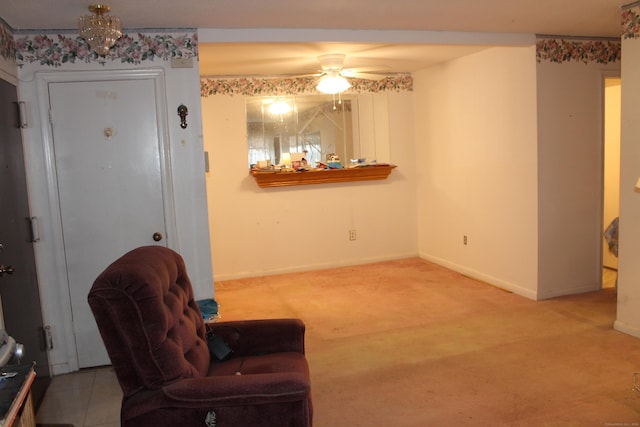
column 208, row 308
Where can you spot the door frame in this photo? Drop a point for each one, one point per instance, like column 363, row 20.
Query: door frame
column 43, row 80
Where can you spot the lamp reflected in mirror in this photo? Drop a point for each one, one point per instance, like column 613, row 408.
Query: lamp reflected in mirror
column 279, row 107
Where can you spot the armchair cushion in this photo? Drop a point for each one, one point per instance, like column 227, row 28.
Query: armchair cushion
column 250, row 337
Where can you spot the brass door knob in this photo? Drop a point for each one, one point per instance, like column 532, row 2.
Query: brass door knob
column 157, row 236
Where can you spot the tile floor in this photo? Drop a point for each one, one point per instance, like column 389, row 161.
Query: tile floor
column 89, row 397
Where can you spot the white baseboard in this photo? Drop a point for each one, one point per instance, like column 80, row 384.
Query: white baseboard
column 61, row 368
column 625, row 328
column 309, row 267
column 566, row 291
column 478, row 275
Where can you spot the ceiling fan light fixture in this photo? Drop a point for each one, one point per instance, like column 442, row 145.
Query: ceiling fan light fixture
column 99, row 29
column 333, row 83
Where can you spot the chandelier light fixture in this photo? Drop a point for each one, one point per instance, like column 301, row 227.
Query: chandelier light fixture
column 333, row 83
column 99, row 29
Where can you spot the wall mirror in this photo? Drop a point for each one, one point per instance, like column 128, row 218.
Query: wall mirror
column 352, row 126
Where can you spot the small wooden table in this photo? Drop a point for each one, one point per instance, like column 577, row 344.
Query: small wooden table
column 16, row 405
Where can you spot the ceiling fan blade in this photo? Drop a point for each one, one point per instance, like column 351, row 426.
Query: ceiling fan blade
column 381, row 69
column 367, row 76
column 331, row 61
column 289, row 76
column 307, row 75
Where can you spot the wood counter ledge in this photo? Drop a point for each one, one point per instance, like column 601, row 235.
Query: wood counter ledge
column 266, row 179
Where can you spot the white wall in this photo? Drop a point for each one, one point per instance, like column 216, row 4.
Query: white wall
column 187, row 161
column 628, row 318
column 258, row 231
column 476, row 139
column 570, row 150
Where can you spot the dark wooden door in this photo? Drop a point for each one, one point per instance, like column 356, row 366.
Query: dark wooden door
column 21, row 308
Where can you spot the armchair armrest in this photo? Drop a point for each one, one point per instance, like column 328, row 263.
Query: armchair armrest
column 252, row 337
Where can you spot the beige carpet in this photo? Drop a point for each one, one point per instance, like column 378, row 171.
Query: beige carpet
column 409, row 343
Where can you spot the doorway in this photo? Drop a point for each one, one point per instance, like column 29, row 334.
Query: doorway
column 110, row 167
column 611, row 181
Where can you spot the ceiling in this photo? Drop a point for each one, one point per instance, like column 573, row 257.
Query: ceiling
column 589, row 18
column 281, row 59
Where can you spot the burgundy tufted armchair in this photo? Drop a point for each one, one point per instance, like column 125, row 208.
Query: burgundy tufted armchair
column 154, row 333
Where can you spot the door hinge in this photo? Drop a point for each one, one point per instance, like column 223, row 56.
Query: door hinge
column 51, row 116
column 33, row 225
column 46, row 342
column 22, row 114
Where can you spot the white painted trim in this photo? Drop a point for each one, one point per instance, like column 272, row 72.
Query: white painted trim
column 312, row 267
column 569, row 291
column 474, row 274
column 626, row 328
column 57, row 241
column 43, row 79
column 165, row 160
column 8, row 77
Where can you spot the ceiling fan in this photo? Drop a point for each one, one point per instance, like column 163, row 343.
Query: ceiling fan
column 333, row 77
column 334, row 62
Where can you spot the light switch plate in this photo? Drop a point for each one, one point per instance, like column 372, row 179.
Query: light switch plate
column 181, row 62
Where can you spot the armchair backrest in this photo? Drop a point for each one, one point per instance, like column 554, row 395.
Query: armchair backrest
column 149, row 321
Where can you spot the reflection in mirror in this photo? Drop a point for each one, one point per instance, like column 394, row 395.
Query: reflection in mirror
column 298, row 130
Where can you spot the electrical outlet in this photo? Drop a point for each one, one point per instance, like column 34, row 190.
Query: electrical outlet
column 464, row 240
column 352, row 235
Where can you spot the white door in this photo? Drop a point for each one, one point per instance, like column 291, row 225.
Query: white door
column 109, row 168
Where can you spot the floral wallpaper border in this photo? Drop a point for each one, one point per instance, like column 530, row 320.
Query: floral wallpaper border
column 135, row 48
column 631, row 23
column 7, row 46
column 564, row 50
column 252, row 86
column 56, row 50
